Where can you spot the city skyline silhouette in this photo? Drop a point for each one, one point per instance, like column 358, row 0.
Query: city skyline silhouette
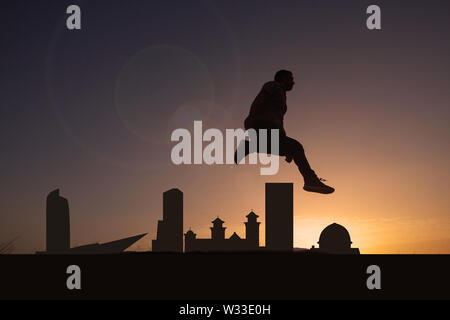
column 334, row 239
column 224, row 153
column 91, row 111
column 170, row 236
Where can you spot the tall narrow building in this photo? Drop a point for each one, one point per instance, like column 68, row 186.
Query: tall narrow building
column 57, row 223
column 58, row 232
column 170, row 229
column 279, row 216
column 218, row 230
column 252, row 230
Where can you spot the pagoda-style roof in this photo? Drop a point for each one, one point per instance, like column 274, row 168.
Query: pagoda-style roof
column 217, row 220
column 252, row 214
column 190, row 232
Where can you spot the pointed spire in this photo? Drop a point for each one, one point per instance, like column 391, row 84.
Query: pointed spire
column 252, row 214
column 218, row 221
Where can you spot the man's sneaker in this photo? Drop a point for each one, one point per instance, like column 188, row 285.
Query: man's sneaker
column 316, row 185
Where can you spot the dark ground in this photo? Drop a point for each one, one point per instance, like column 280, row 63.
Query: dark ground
column 224, row 276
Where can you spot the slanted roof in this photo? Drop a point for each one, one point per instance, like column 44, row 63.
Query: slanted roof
column 173, row 190
column 217, row 220
column 116, row 246
column 252, row 214
column 234, row 236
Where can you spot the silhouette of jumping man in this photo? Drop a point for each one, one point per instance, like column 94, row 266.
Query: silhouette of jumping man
column 267, row 112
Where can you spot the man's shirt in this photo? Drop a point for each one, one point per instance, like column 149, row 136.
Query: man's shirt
column 268, row 108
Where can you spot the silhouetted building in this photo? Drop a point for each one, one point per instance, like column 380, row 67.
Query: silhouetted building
column 252, row 229
column 335, row 239
column 218, row 242
column 108, row 247
column 279, row 228
column 169, row 236
column 279, row 216
column 57, row 224
column 217, row 230
column 58, row 232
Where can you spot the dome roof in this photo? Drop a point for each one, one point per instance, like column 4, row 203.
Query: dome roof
column 334, row 235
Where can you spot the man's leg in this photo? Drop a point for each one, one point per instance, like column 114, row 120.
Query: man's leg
column 245, row 144
column 288, row 147
column 292, row 149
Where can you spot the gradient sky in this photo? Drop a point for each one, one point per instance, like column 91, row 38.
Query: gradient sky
column 91, row 112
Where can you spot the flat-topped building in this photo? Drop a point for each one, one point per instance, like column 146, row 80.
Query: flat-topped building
column 279, row 216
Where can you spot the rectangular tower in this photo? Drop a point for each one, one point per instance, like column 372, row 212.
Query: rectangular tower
column 57, row 223
column 173, row 219
column 279, row 216
column 169, row 236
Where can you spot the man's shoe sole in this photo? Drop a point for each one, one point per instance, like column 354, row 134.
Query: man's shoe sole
column 319, row 189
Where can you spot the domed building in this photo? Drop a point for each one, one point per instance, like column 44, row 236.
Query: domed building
column 335, row 239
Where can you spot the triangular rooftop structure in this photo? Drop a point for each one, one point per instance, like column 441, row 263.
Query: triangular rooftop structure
column 116, row 246
column 252, row 214
column 235, row 237
column 217, row 220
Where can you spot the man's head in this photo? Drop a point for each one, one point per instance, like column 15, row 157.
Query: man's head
column 285, row 78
